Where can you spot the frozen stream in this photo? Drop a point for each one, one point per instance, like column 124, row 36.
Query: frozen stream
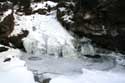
column 67, row 66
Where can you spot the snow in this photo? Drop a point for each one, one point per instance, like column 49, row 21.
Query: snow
column 8, row 12
column 91, row 76
column 62, row 9
column 87, row 16
column 42, row 5
column 68, row 18
column 5, row 14
column 17, row 75
column 12, row 69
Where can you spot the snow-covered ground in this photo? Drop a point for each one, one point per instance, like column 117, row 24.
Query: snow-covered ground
column 12, row 69
column 91, row 76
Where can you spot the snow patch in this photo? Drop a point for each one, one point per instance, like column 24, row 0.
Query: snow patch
column 43, row 5
column 12, row 69
column 91, row 76
column 5, row 14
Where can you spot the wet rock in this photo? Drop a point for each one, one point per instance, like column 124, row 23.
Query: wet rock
column 41, row 11
column 93, row 56
column 17, row 40
column 37, row 0
column 7, row 60
column 5, row 5
column 33, row 58
column 2, row 49
column 46, row 80
column 28, row 11
column 7, row 26
column 4, row 41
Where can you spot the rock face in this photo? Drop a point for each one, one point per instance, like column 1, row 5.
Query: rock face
column 17, row 40
column 3, row 49
column 103, row 21
column 7, row 26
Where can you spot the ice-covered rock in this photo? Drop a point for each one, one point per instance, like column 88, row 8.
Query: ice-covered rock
column 45, row 34
column 87, row 49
